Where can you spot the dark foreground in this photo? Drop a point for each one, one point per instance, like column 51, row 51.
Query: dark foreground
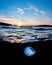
column 13, row 53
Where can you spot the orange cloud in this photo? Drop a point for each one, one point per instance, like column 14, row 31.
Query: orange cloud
column 18, row 22
column 11, row 21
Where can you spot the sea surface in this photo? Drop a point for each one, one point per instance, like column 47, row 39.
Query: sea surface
column 24, row 34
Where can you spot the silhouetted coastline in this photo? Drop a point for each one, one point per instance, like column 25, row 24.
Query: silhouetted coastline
column 1, row 23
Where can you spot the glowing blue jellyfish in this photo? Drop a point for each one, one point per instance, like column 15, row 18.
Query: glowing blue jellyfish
column 29, row 51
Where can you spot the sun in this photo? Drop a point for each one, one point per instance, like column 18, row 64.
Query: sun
column 19, row 23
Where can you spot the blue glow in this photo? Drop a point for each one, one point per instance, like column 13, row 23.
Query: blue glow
column 29, row 51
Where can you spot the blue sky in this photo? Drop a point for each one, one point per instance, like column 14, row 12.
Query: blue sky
column 37, row 11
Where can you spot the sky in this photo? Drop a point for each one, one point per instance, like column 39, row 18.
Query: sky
column 26, row 12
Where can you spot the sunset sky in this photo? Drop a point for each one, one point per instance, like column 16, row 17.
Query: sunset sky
column 26, row 12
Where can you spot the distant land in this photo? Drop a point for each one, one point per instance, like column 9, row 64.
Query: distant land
column 43, row 25
column 1, row 23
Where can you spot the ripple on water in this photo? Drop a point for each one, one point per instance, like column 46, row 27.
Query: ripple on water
column 25, row 34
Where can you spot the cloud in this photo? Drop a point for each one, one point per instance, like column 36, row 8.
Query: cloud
column 42, row 12
column 35, row 9
column 2, row 16
column 29, row 21
column 47, row 19
column 36, row 14
column 27, row 8
column 10, row 20
column 38, row 10
column 20, row 10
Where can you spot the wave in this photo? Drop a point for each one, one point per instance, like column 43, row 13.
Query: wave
column 24, row 34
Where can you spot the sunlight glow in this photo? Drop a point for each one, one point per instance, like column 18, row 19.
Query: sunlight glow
column 19, row 23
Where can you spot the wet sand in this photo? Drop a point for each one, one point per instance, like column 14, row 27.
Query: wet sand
column 12, row 53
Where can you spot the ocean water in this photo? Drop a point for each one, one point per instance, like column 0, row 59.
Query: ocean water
column 24, row 34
